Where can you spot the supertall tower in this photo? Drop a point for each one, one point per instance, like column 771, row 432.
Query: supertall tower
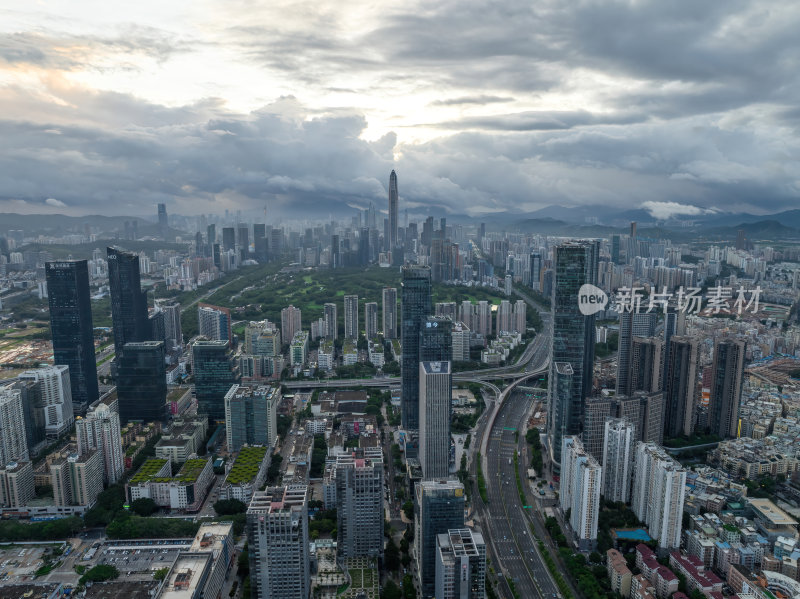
column 393, row 222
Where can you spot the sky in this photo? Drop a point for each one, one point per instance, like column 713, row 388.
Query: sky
column 303, row 108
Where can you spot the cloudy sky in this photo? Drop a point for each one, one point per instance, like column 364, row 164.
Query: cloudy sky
column 680, row 106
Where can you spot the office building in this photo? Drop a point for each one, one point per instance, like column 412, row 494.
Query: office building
column 727, row 377
column 645, row 364
column 371, row 320
column 575, row 264
column 439, row 507
column 251, row 416
column 17, row 485
column 351, row 317
column 331, row 321
column 659, row 486
column 71, row 328
column 359, row 503
column 298, row 349
column 389, row 312
column 277, row 533
column 560, row 392
column 13, row 444
column 228, row 238
column 173, row 334
column 619, row 440
column 128, row 302
column 460, row 565
column 291, row 323
column 436, row 339
column 461, row 342
column 163, row 220
column 435, row 398
column 100, row 431
column 215, row 371
column 393, row 210
column 56, row 397
column 681, row 386
column 142, row 383
column 214, row 322
column 416, row 306
column 580, row 491
column 631, row 324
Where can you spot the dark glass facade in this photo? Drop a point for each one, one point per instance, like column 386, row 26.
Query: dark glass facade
column 726, row 387
column 439, row 507
column 416, row 306
column 128, row 301
column 142, row 382
column 215, row 370
column 71, row 328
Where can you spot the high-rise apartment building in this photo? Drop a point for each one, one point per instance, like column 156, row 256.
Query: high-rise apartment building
column 680, row 386
column 727, row 377
column 435, row 398
column 331, row 320
column 215, row 371
column 291, row 323
column 389, row 312
column 77, row 480
column 17, row 486
column 56, row 397
column 71, row 328
column 214, row 322
column 13, row 444
column 580, row 491
column 631, row 324
column 142, row 383
column 128, row 301
column 359, row 503
column 645, row 364
column 416, row 306
column 575, row 264
column 172, row 323
column 100, row 431
column 371, row 320
column 461, row 342
column 351, row 317
column 277, row 533
column 251, row 416
column 439, row 507
column 393, row 210
column 460, row 565
column 659, row 487
column 619, row 440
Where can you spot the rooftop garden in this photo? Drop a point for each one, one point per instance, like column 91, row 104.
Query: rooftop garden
column 191, row 470
column 148, row 470
column 245, row 467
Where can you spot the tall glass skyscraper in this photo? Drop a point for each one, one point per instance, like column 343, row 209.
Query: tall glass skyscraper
column 393, row 201
column 142, row 382
column 416, row 307
column 128, row 301
column 71, row 328
column 215, row 370
column 575, row 263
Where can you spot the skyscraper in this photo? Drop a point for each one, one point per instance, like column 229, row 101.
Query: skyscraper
column 371, row 320
column 215, row 371
column 214, row 322
column 390, row 313
column 416, row 306
column 56, row 397
column 330, row 317
column 435, row 398
column 631, row 324
column 100, row 431
column 71, row 328
column 618, row 446
column 228, row 238
column 13, row 445
column 727, row 377
column 645, row 364
column 291, row 323
column 251, row 416
column 575, row 264
column 163, row 221
column 359, row 503
column 351, row 317
column 439, row 507
column 142, row 382
column 580, row 491
column 172, row 323
column 659, row 488
column 680, row 386
column 393, row 207
column 460, row 565
column 128, row 301
column 436, row 339
column 277, row 531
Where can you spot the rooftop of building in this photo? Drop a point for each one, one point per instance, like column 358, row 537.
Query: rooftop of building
column 246, row 465
column 185, row 575
column 211, row 533
column 148, row 470
column 17, row 591
column 122, row 588
column 274, row 499
column 769, row 511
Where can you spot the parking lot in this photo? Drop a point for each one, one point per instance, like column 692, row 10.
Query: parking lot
column 19, row 562
column 133, row 561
